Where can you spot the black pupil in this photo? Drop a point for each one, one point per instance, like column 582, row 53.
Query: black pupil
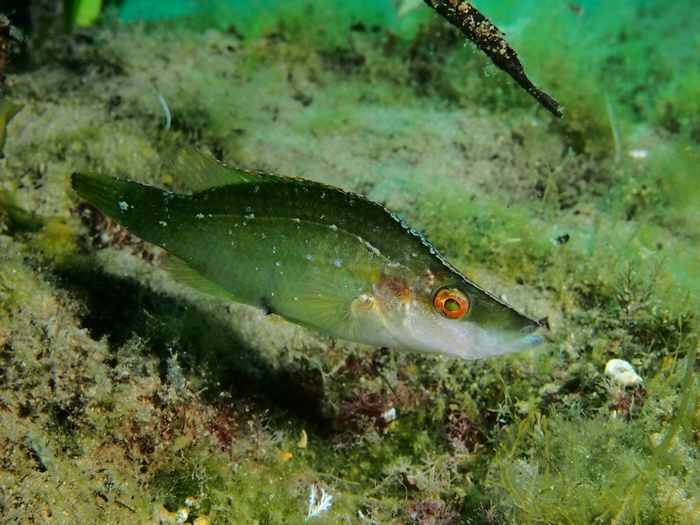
column 452, row 305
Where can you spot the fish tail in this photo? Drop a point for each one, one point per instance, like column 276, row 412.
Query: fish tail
column 112, row 196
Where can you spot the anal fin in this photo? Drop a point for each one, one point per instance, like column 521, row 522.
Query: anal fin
column 185, row 274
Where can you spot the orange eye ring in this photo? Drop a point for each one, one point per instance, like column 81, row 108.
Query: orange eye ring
column 451, row 303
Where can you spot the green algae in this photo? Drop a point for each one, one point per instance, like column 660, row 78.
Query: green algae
column 124, row 396
column 8, row 110
column 614, row 475
column 80, row 13
column 14, row 218
column 52, row 236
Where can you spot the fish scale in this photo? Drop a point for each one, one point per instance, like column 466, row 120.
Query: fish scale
column 316, row 255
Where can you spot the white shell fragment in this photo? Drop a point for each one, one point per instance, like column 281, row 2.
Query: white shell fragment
column 622, row 374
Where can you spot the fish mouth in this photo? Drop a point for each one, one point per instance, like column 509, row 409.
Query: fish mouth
column 526, row 332
column 529, row 341
column 532, row 326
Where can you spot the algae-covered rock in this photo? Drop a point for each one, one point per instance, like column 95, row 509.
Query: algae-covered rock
column 126, row 397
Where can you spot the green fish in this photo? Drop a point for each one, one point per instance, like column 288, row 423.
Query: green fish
column 319, row 256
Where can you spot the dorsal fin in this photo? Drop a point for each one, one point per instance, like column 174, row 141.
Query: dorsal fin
column 200, row 172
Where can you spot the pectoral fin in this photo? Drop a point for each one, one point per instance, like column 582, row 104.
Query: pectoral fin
column 327, row 307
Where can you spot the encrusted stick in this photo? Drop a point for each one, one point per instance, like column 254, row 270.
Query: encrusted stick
column 487, row 37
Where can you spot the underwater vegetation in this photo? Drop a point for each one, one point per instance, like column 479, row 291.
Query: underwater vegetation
column 126, row 397
column 81, row 13
column 8, row 109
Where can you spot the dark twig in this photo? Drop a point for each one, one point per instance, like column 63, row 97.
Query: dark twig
column 487, row 37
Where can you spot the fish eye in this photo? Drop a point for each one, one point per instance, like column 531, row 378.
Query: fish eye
column 451, row 303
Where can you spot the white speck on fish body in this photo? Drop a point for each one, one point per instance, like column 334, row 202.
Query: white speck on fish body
column 338, row 263
column 369, row 246
column 296, row 219
column 418, row 234
column 333, row 227
column 256, row 188
column 250, row 216
column 200, row 215
column 309, row 257
column 323, row 194
column 230, row 231
column 163, row 223
column 322, row 216
column 262, row 235
column 123, row 206
column 278, row 263
column 373, row 248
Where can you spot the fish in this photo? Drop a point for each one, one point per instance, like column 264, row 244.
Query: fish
column 316, row 255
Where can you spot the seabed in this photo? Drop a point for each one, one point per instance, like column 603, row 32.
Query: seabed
column 126, row 397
